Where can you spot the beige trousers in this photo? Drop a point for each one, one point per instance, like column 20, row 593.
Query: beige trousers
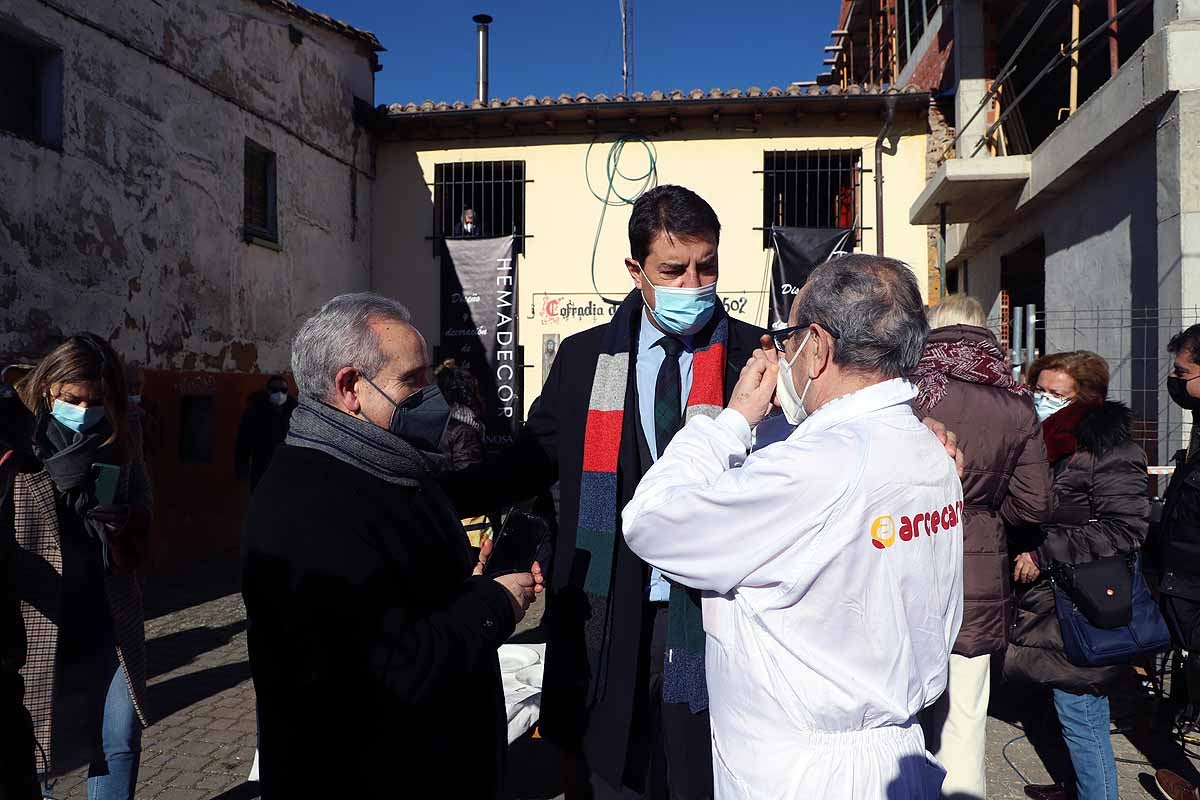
column 957, row 726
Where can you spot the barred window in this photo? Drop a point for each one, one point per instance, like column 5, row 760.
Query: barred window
column 259, row 216
column 811, row 189
column 30, row 88
column 493, row 191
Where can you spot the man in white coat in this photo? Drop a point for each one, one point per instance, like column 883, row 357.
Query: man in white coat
column 830, row 563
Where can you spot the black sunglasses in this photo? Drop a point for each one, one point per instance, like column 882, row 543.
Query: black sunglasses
column 781, row 335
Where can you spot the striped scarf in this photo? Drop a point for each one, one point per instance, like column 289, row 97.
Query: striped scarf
column 683, row 672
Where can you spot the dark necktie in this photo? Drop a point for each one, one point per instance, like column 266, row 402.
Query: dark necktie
column 667, row 391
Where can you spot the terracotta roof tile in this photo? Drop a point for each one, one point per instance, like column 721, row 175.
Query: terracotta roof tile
column 657, row 95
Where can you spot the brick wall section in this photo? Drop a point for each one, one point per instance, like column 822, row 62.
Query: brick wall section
column 941, row 134
column 935, row 70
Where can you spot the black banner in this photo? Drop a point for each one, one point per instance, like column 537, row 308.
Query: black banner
column 479, row 325
column 798, row 251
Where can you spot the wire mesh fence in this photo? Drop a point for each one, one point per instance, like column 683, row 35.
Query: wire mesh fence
column 1134, row 342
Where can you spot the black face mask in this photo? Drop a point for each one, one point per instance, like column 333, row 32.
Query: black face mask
column 421, row 418
column 1178, row 389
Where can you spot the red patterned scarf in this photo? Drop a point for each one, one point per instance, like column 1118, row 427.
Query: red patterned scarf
column 967, row 361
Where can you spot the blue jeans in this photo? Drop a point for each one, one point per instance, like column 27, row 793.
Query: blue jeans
column 114, row 732
column 116, row 737
column 1085, row 726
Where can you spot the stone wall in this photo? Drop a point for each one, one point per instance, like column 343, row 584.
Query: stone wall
column 938, row 148
column 133, row 228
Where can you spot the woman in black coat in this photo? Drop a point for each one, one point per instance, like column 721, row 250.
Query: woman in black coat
column 1099, row 509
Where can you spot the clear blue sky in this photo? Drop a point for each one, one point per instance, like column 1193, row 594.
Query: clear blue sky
column 546, row 48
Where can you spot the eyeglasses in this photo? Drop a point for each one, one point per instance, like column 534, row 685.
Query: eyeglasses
column 781, row 335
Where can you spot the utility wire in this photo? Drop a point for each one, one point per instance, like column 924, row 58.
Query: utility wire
column 614, row 197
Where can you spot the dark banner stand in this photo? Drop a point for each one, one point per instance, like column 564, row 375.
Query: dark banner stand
column 797, row 252
column 479, row 326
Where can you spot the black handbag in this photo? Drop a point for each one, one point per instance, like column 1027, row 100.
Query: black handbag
column 1102, row 589
column 1102, row 629
column 1105, row 611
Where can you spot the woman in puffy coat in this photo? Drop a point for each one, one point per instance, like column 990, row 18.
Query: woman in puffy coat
column 1099, row 509
column 962, row 380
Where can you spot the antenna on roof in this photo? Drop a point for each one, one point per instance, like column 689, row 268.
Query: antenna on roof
column 626, row 44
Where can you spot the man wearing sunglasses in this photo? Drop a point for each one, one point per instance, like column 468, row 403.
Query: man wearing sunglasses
column 830, row 563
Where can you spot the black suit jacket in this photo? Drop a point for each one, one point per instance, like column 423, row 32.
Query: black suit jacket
column 550, row 447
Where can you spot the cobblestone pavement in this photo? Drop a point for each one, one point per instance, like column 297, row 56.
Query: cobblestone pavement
column 201, row 744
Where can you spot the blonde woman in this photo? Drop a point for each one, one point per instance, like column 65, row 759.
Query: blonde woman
column 962, row 380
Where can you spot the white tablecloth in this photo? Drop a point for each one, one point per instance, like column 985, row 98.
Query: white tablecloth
column 522, row 700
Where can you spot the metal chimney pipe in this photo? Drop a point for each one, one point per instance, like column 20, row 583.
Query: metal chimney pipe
column 481, row 57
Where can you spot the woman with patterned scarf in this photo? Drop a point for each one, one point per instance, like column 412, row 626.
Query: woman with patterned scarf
column 962, row 380
column 80, row 535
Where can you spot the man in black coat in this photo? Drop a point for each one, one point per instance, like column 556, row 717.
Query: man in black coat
column 609, row 699
column 1180, row 527
column 372, row 642
column 263, row 427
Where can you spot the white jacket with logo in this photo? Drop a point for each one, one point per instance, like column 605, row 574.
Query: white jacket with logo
column 831, row 570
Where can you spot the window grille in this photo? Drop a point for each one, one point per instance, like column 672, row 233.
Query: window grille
column 493, row 190
column 260, row 219
column 812, row 189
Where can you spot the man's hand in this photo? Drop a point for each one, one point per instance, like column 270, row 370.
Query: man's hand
column 485, row 552
column 756, row 386
column 522, row 588
column 949, row 441
column 1025, row 569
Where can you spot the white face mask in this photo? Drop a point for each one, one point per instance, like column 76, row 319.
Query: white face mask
column 1047, row 405
column 277, row 398
column 791, row 401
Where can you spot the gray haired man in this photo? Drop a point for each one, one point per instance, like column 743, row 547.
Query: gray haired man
column 830, row 564
column 372, row 634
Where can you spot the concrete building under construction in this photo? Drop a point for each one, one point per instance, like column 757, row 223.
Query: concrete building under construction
column 1068, row 179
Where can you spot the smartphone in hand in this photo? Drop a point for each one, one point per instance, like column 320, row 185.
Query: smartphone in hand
column 105, row 478
column 523, row 539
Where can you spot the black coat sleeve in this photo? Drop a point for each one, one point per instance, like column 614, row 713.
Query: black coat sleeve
column 413, row 657
column 524, row 470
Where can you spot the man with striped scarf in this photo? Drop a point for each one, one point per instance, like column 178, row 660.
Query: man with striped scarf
column 624, row 690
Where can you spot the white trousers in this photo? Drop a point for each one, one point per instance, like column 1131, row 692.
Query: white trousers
column 956, row 727
column 888, row 763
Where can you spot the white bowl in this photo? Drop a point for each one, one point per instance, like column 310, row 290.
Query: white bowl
column 531, row 676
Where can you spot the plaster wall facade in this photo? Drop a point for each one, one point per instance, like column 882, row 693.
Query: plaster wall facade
column 133, row 228
column 556, row 292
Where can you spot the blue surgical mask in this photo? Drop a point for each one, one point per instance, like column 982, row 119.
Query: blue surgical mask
column 77, row 418
column 1047, row 405
column 682, row 311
